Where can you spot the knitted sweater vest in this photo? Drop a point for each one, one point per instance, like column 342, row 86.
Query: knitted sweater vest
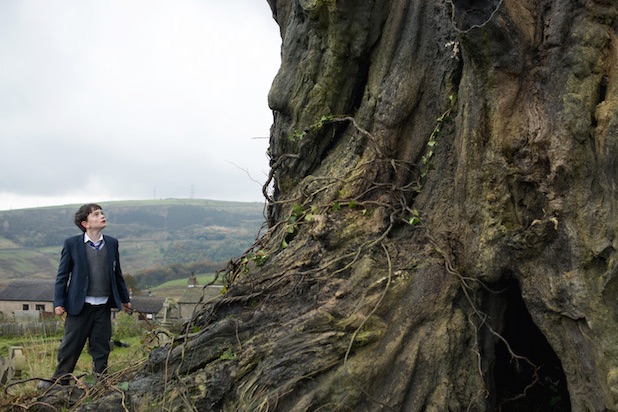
column 98, row 269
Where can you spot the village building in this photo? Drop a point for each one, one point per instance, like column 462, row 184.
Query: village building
column 33, row 300
column 27, row 299
column 147, row 307
column 194, row 298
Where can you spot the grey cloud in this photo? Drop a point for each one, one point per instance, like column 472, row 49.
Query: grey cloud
column 134, row 99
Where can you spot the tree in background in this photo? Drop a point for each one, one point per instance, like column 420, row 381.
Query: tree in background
column 132, row 284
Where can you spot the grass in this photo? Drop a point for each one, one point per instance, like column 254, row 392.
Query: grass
column 7, row 341
column 40, row 354
column 7, row 244
column 23, row 260
column 176, row 289
column 201, row 281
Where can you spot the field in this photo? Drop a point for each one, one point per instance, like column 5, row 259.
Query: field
column 201, row 280
column 175, row 289
column 40, row 358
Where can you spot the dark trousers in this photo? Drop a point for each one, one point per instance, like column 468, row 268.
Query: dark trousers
column 93, row 324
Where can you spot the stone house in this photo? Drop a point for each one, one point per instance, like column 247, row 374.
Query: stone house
column 147, row 307
column 27, row 297
column 193, row 299
column 27, row 300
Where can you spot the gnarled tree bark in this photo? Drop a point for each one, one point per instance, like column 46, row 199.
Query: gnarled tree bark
column 442, row 218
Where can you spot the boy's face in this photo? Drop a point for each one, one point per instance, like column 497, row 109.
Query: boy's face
column 96, row 220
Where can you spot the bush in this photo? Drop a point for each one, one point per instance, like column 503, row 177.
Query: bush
column 127, row 326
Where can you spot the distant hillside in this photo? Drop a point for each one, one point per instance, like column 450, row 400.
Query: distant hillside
column 153, row 234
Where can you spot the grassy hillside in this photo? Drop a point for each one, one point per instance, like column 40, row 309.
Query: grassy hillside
column 155, row 235
column 175, row 289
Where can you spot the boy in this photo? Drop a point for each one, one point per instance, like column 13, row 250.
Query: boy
column 88, row 284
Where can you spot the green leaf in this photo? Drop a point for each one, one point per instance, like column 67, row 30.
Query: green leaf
column 415, row 219
column 297, row 210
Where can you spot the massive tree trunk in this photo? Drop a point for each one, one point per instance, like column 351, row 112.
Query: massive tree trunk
column 442, row 218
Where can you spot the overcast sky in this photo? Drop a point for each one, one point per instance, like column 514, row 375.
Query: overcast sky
column 104, row 100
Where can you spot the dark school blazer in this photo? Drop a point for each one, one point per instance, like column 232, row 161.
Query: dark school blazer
column 72, row 278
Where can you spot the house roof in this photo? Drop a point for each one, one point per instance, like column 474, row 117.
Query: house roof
column 147, row 304
column 193, row 295
column 39, row 291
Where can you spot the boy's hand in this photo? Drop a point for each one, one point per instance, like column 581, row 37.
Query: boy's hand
column 127, row 307
column 59, row 310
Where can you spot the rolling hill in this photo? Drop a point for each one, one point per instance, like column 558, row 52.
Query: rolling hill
column 170, row 237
